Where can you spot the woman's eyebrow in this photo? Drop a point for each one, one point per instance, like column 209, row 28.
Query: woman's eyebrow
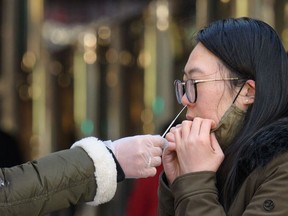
column 192, row 71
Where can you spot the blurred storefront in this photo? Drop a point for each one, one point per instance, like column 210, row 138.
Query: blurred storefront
column 104, row 68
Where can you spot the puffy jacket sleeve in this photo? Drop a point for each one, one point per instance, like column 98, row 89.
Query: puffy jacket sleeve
column 59, row 180
column 166, row 198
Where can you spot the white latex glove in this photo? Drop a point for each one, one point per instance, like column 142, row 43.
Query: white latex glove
column 139, row 155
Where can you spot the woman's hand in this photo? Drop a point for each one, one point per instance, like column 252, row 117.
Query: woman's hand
column 192, row 148
column 169, row 157
column 197, row 148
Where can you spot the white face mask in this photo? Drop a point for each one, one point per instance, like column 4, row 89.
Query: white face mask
column 229, row 125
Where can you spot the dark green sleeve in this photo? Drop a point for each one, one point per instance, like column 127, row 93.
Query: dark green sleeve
column 54, row 182
column 166, row 198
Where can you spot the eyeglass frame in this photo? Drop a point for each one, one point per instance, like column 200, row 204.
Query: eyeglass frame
column 195, row 82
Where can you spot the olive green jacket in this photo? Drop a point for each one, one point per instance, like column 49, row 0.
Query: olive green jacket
column 263, row 192
column 59, row 180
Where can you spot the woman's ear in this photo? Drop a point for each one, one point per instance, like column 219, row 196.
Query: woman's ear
column 246, row 96
column 250, row 92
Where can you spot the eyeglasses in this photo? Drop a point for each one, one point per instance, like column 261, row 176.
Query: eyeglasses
column 189, row 88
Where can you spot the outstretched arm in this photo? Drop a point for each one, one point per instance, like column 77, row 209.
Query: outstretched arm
column 88, row 172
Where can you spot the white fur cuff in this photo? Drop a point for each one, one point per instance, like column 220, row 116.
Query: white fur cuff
column 105, row 168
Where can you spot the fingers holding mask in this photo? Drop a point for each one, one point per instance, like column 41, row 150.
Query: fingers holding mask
column 196, row 146
column 170, row 136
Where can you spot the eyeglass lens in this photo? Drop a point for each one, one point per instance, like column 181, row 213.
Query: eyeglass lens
column 181, row 89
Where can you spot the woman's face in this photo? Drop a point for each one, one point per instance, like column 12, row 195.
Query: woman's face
column 213, row 98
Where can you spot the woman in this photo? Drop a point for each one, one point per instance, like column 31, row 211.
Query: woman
column 88, row 172
column 230, row 157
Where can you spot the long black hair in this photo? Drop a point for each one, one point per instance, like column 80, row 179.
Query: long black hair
column 251, row 49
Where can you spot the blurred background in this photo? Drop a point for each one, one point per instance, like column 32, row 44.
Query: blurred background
column 105, row 68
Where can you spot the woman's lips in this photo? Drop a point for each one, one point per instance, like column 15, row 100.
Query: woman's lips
column 189, row 117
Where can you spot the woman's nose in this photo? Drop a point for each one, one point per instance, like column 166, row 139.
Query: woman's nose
column 185, row 100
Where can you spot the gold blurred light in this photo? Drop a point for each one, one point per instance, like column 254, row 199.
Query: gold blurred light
column 144, row 59
column 104, row 33
column 28, row 61
column 59, row 36
column 90, row 40
column 162, row 13
column 162, row 25
column 90, row 57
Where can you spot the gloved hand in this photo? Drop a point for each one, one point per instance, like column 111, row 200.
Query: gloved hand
column 139, row 155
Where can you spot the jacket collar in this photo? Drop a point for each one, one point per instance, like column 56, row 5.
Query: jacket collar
column 266, row 144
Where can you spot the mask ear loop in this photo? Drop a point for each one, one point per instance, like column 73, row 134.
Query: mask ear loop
column 213, row 130
column 238, row 92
